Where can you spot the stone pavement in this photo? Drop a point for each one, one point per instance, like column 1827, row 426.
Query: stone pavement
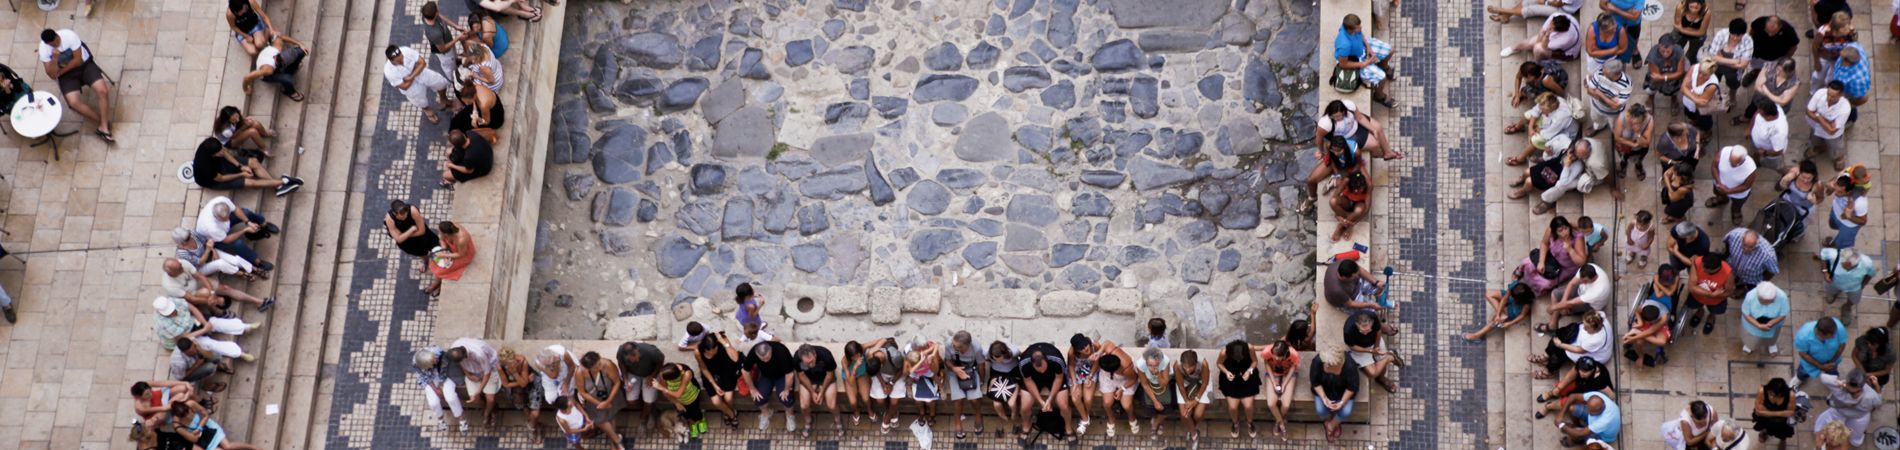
column 1709, row 368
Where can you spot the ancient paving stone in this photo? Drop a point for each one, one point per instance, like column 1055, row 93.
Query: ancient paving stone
column 881, row 192
column 835, row 183
column 737, row 224
column 927, row 245
column 1079, row 276
column 1038, row 210
column 847, row 300
column 887, row 305
column 1120, row 300
column 850, row 5
column 980, row 255
column 1149, row 174
column 577, row 185
column 1065, row 254
column 928, row 198
column 705, row 53
column 1037, row 138
column 1024, row 238
column 765, row 259
column 614, row 207
column 983, row 56
column 1212, row 86
column 752, row 65
column 992, row 303
column 677, row 256
column 1022, row 78
column 935, row 88
column 652, row 49
column 620, row 155
column 615, row 242
column 986, row 227
column 985, row 139
column 1108, row 179
column 1135, row 254
column 748, row 133
column 1066, row 303
column 853, row 59
column 810, row 256
column 1229, row 260
column 836, row 150
column 949, row 114
column 961, row 178
column 1116, row 56
column 944, row 57
column 798, row 52
column 1261, row 86
column 1191, row 14
column 923, row 300
column 658, row 156
column 812, row 219
column 682, row 94
column 1060, row 95
column 1143, row 96
column 708, row 179
column 723, row 100
column 1173, row 41
column 1198, row 266
column 1092, row 204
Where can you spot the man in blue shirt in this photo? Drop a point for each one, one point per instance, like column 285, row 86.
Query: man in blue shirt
column 1818, row 346
column 1851, row 69
column 1595, row 416
column 1629, row 17
column 1355, row 50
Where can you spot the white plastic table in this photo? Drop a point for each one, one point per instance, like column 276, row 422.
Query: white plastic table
column 37, row 116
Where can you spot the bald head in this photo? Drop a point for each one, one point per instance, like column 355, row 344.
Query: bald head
column 1750, row 239
column 173, row 267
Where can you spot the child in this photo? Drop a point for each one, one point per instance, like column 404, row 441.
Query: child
column 694, row 332
column 922, row 363
column 1636, row 242
column 749, row 304
column 1595, row 234
column 1510, row 303
column 573, row 421
column 1158, row 333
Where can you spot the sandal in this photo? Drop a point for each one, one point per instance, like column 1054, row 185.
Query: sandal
column 427, row 114
column 1514, row 128
column 1517, row 195
column 1542, row 328
column 297, row 97
column 1540, row 373
column 107, row 136
column 1499, row 18
column 1514, row 161
column 1542, row 208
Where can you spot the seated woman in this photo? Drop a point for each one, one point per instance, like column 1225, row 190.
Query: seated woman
column 234, row 129
column 1692, row 428
column 1533, row 8
column 482, row 112
column 469, row 158
column 410, row 229
column 12, row 88
column 1534, row 78
column 457, row 251
column 1587, row 375
column 677, row 383
column 1342, row 118
column 214, row 167
column 1350, row 204
column 1552, row 124
column 1337, row 157
column 1560, row 253
column 1558, row 39
column 1510, row 304
column 482, row 29
column 1589, row 338
column 249, row 24
column 483, row 65
column 194, row 423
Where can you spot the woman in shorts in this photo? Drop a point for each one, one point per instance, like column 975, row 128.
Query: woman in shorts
column 1191, row 375
column 719, row 373
column 1005, row 382
column 854, row 373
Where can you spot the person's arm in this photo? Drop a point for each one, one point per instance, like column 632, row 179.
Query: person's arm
column 204, row 326
column 231, row 20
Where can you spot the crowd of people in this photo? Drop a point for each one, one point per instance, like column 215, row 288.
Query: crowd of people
column 1014, row 390
column 1741, row 73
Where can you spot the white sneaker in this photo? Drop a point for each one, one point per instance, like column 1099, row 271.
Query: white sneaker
column 791, row 422
column 1774, row 349
column 765, row 417
column 464, row 427
column 1746, row 350
column 442, row 426
column 1507, row 52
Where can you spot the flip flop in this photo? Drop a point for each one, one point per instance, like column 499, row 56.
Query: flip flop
column 105, row 136
column 297, row 97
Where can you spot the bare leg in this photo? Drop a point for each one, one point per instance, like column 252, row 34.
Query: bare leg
column 77, row 102
column 102, row 91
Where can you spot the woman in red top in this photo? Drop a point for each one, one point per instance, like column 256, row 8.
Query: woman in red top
column 1349, row 204
column 1280, row 359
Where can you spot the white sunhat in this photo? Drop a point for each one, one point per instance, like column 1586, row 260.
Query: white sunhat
column 164, row 306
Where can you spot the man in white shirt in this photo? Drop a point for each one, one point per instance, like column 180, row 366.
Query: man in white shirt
column 277, row 63
column 183, row 280
column 1828, row 110
column 1734, row 173
column 68, row 60
column 1609, row 91
column 409, row 72
column 1768, row 130
column 1589, row 291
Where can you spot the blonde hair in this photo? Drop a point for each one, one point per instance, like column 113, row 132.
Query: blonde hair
column 1835, row 433
column 1332, row 356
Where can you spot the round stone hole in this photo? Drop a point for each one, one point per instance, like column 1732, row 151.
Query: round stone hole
column 806, row 304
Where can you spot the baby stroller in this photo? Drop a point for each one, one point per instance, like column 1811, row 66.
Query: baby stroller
column 1781, row 222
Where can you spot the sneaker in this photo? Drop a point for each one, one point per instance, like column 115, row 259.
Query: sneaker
column 1708, row 327
column 442, row 426
column 765, row 417
column 269, row 302
column 1746, row 350
column 1507, row 52
column 8, row 313
column 253, row 326
column 291, row 184
column 1774, row 350
column 464, row 427
column 248, row 358
column 791, row 423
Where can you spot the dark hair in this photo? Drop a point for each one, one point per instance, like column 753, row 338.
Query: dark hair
column 627, row 349
column 1529, row 68
column 209, row 146
column 1825, row 326
column 1109, row 363
column 1644, row 216
column 1586, row 222
column 1737, row 27
column 1337, row 141
column 744, row 291
column 1587, row 271
column 1560, row 222
column 1588, row 364
column 1190, row 358
column 670, row 372
column 398, row 205
column 458, row 138
column 588, row 359
column 1560, row 23
column 1280, row 348
column 1335, row 107
column 1351, row 21
column 853, row 350
column 999, row 350
column 1157, row 326
column 1767, row 108
column 1638, row 110
column 1356, row 181
column 1236, row 349
column 235, row 4
column 694, row 328
column 805, row 350
column 1298, row 330
column 1078, row 342
column 1836, row 85
column 560, row 402
column 224, row 116
column 1651, row 312
column 184, row 343
column 458, row 354
column 1522, row 293
column 1807, row 166
column 1778, row 386
column 391, row 51
column 428, row 10
column 709, row 344
column 1697, row 409
column 1348, row 268
column 1710, row 263
column 48, row 35
column 139, row 388
column 447, row 227
column 179, row 409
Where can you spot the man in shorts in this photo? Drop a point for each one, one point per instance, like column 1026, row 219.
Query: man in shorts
column 215, row 167
column 639, row 361
column 965, row 371
column 480, row 366
column 68, row 60
column 769, row 372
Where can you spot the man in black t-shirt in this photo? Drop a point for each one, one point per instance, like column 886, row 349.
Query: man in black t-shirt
column 1686, row 242
column 639, row 362
column 214, row 167
column 769, row 368
column 1774, row 39
column 1587, row 375
column 816, row 384
column 1044, row 380
column 470, row 157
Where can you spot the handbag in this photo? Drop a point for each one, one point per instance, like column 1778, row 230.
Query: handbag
column 1344, row 80
column 1887, row 283
column 1551, row 268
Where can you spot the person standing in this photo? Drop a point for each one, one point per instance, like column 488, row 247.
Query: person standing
column 68, row 60
column 1609, row 91
column 1764, row 311
column 406, row 225
column 1734, row 173
column 1828, row 110
column 481, row 368
column 408, row 72
column 442, row 35
column 1710, row 284
column 1774, row 411
column 1849, row 212
column 1768, row 131
column 1873, row 353
column 1850, row 402
column 1847, row 273
column 1818, row 346
column 1856, row 78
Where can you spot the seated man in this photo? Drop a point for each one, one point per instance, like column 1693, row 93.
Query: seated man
column 221, row 222
column 1356, row 51
column 175, row 318
column 1346, row 286
column 278, row 63
column 68, row 60
column 1649, row 336
column 1558, row 39
column 469, row 158
column 1579, row 169
column 183, row 280
column 213, row 167
column 1587, row 375
column 1598, row 418
column 1588, row 292
column 1350, row 205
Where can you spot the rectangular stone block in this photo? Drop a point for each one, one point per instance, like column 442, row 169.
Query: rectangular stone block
column 887, row 305
column 995, row 303
column 847, row 300
column 923, row 300
column 1120, row 300
column 1066, row 303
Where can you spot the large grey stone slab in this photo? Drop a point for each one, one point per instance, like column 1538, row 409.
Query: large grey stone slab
column 992, row 303
column 614, row 207
column 940, row 87
column 682, row 94
column 1066, row 303
column 652, row 49
column 747, row 133
column 985, row 139
column 841, row 149
column 928, row 198
column 677, row 256
column 620, row 155
column 723, row 101
column 1038, row 210
column 925, row 246
column 1173, row 41
column 1149, row 174
column 1116, row 56
column 834, row 184
column 738, row 219
column 1192, row 14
